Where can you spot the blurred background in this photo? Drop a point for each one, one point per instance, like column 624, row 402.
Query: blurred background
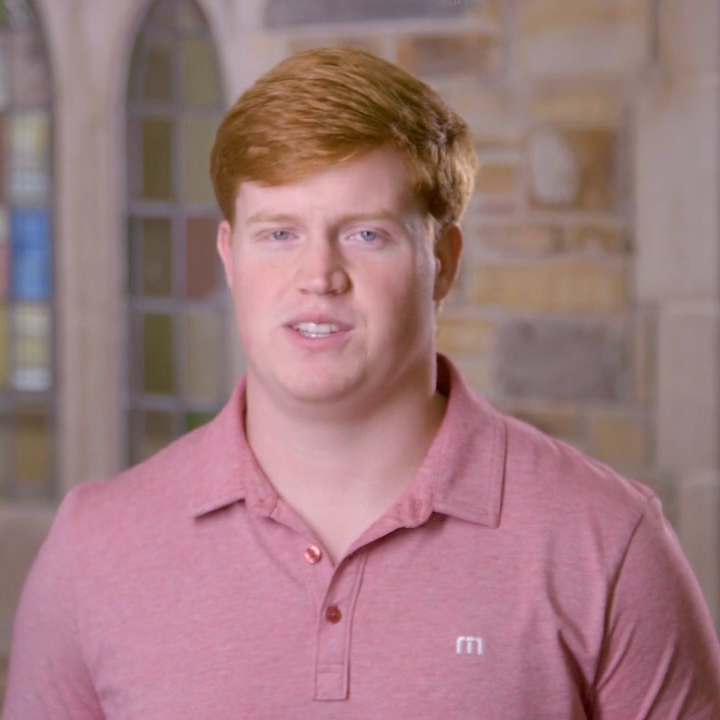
column 589, row 296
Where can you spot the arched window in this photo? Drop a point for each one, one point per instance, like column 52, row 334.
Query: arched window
column 176, row 297
column 27, row 322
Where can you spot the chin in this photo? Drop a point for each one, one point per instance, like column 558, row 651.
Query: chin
column 319, row 392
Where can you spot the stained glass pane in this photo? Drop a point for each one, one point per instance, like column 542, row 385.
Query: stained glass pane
column 198, row 138
column 176, row 349
column 26, row 251
column 19, row 14
column 32, row 447
column 159, row 431
column 137, row 69
column 157, row 158
column 4, row 270
column 158, row 371
column 30, row 157
column 4, row 347
column 202, row 260
column 4, row 225
column 31, row 370
column 158, row 86
column 4, row 443
column 3, row 130
column 157, row 257
column 4, row 75
column 29, row 71
column 30, row 258
column 134, row 240
column 202, row 357
column 200, row 78
column 194, row 420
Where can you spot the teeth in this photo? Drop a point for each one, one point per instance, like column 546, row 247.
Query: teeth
column 316, row 330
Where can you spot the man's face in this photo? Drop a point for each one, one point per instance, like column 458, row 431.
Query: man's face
column 334, row 280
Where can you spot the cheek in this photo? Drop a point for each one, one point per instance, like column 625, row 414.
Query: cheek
column 406, row 300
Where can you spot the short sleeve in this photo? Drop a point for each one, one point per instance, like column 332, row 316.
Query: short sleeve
column 661, row 657
column 48, row 677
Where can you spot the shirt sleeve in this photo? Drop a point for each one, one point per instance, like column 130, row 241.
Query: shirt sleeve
column 47, row 676
column 661, row 658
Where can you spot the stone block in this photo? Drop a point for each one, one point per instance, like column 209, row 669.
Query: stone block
column 479, row 374
column 371, row 43
column 664, row 486
column 559, row 420
column 486, row 109
column 619, row 439
column 465, row 336
column 597, row 239
column 677, row 189
column 497, row 178
column 688, row 388
column 553, row 287
column 583, row 37
column 283, row 13
column 689, row 37
column 22, row 530
column 527, row 240
column 495, row 135
column 546, row 15
column 596, row 107
column 447, row 54
column 562, row 360
column 574, row 169
column 699, row 531
column 645, row 332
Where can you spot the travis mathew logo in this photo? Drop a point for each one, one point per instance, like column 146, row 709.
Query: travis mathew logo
column 467, row 645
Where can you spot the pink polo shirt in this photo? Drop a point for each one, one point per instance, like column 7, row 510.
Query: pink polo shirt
column 515, row 579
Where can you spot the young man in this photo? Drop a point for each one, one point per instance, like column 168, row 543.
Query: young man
column 357, row 534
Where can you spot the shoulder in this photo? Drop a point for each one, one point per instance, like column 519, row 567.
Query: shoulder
column 567, row 505
column 540, row 465
column 143, row 499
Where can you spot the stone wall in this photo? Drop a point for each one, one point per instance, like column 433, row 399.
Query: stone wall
column 544, row 320
column 589, row 297
column 588, row 300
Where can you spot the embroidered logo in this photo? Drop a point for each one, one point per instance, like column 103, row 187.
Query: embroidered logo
column 468, row 645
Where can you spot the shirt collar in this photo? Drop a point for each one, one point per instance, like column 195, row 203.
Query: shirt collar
column 462, row 474
column 229, row 470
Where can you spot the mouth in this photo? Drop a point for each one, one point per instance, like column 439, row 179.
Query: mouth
column 316, row 330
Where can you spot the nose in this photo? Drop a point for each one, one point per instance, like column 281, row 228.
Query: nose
column 321, row 268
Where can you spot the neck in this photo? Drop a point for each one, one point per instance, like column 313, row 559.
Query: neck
column 341, row 472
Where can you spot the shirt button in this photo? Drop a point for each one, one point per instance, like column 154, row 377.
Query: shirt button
column 313, row 554
column 333, row 614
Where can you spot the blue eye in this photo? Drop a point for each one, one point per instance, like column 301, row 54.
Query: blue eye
column 280, row 235
column 368, row 235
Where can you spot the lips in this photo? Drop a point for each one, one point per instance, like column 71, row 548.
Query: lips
column 319, row 319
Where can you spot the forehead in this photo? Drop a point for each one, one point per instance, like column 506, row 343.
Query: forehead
column 377, row 181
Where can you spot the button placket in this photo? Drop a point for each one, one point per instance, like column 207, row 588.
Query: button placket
column 335, row 630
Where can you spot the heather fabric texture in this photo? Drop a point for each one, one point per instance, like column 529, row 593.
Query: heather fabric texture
column 515, row 579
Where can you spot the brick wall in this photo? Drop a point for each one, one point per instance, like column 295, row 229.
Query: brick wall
column 544, row 319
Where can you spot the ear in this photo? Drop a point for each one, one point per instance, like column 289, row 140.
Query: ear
column 224, row 248
column 448, row 249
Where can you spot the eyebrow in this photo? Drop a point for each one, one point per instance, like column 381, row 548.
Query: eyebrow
column 261, row 217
